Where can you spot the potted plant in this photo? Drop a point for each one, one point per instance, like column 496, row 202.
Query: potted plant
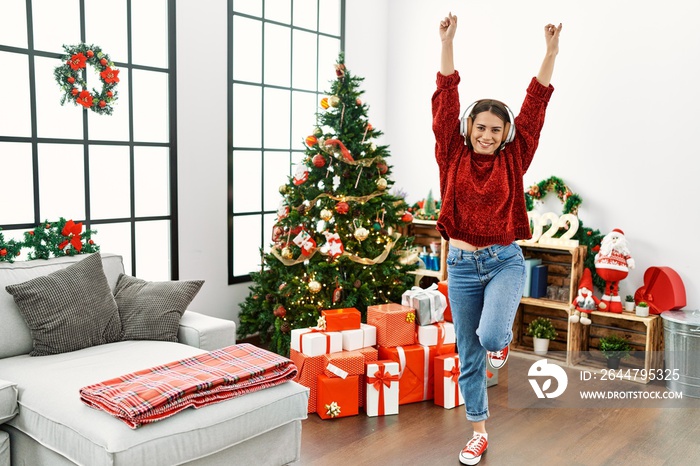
column 614, row 348
column 642, row 309
column 541, row 330
column 629, row 303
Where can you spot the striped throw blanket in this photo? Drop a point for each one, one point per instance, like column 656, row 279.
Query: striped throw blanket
column 153, row 394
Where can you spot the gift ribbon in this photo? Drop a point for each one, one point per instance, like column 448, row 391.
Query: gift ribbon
column 333, row 369
column 426, row 371
column 380, row 379
column 438, row 302
column 453, row 374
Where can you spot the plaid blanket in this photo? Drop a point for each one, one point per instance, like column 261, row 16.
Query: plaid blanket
column 153, row 394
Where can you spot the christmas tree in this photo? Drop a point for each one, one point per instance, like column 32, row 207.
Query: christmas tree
column 336, row 242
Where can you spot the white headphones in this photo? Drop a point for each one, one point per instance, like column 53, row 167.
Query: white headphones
column 465, row 123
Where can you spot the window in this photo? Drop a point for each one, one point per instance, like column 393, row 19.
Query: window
column 116, row 173
column 281, row 58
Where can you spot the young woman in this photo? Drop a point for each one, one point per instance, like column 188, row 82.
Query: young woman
column 482, row 158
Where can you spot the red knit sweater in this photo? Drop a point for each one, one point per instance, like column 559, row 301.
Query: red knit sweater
column 483, row 199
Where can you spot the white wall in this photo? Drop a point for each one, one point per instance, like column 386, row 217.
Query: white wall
column 619, row 127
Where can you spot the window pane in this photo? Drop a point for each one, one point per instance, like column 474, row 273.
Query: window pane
column 246, row 244
column 57, row 196
column 14, row 94
column 153, row 250
column 13, row 24
column 53, row 119
column 114, row 127
column 247, row 115
column 50, row 15
column 16, row 158
column 151, row 186
column 329, row 17
column 150, row 111
column 276, row 174
column 109, row 182
column 251, row 7
column 115, row 238
column 304, row 56
column 327, row 56
column 277, row 54
column 305, row 14
column 149, row 33
column 111, row 39
column 276, row 126
column 247, row 177
column 304, row 106
column 247, row 49
column 278, row 10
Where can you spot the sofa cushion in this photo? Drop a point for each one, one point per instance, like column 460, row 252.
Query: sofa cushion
column 69, row 309
column 8, row 400
column 52, row 414
column 152, row 310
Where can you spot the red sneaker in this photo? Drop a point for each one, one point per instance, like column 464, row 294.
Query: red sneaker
column 471, row 454
column 497, row 359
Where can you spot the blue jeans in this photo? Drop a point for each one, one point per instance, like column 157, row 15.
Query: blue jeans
column 485, row 288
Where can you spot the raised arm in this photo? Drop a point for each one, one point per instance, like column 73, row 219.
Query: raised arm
column 551, row 37
column 448, row 26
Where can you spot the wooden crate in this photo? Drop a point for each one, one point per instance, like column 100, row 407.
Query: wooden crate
column 526, row 314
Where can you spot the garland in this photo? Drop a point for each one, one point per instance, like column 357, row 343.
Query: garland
column 50, row 239
column 586, row 236
column 71, row 77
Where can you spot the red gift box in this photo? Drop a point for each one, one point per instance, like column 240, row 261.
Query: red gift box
column 442, row 288
column 338, row 320
column 416, row 369
column 663, row 290
column 396, row 324
column 309, row 368
column 342, row 392
column 371, row 354
column 351, row 362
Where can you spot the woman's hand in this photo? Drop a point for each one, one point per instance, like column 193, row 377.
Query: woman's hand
column 448, row 26
column 551, row 37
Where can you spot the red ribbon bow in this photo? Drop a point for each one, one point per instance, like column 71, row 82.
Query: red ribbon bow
column 380, row 379
column 454, row 375
column 72, row 231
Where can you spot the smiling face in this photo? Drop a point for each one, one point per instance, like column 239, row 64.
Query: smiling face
column 486, row 133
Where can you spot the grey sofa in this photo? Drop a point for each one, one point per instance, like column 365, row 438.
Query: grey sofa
column 47, row 424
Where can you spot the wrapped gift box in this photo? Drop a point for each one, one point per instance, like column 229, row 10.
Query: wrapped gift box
column 349, row 362
column 395, row 324
column 365, row 336
column 442, row 288
column 337, row 397
column 337, row 320
column 447, row 393
column 429, row 303
column 315, row 342
column 309, row 368
column 416, row 364
column 442, row 333
column 491, row 376
column 382, row 387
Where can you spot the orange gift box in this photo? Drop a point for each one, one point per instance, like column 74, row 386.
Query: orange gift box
column 416, row 369
column 342, row 392
column 396, row 324
column 350, row 362
column 447, row 393
column 309, row 368
column 442, row 288
column 338, row 320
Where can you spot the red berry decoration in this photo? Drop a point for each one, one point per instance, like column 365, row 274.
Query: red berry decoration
column 3, row 252
column 70, row 79
column 407, row 218
column 318, row 160
column 382, row 167
column 342, row 208
column 103, row 62
column 103, row 103
column 74, row 91
column 280, row 312
column 110, row 93
column 90, row 53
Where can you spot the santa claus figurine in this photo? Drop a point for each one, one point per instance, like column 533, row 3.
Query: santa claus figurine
column 585, row 301
column 612, row 263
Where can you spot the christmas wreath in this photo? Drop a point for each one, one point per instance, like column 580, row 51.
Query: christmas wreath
column 60, row 238
column 71, row 76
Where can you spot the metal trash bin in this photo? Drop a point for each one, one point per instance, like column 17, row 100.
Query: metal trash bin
column 682, row 351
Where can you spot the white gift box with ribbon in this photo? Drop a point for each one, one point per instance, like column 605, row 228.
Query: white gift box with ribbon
column 430, row 335
column 356, row 339
column 429, row 304
column 313, row 341
column 382, row 390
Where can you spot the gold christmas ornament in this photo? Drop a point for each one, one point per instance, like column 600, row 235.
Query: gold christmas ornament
column 287, row 253
column 326, row 214
column 361, row 234
column 283, row 189
column 334, row 100
column 314, row 286
column 381, row 184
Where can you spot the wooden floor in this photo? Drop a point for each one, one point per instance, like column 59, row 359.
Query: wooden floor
column 426, row 434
